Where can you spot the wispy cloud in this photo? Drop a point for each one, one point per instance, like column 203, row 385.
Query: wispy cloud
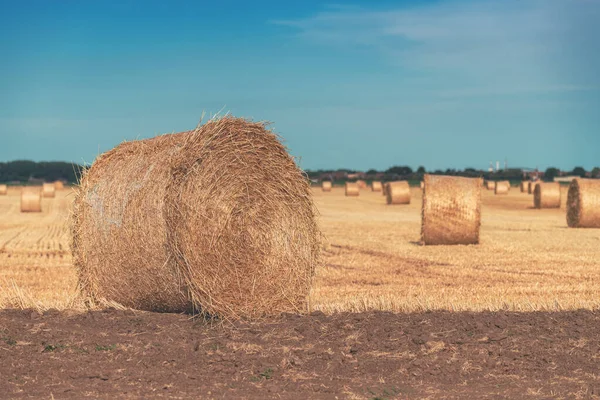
column 497, row 46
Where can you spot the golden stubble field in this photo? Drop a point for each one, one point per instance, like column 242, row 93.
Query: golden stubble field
column 527, row 260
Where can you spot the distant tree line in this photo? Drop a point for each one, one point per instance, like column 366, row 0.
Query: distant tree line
column 22, row 171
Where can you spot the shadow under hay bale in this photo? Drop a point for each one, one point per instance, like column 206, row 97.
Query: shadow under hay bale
column 326, row 186
column 451, row 212
column 583, row 203
column 502, row 187
column 376, row 186
column 398, row 193
column 48, row 190
column 546, row 195
column 31, row 199
column 195, row 220
column 3, row 190
column 352, row 189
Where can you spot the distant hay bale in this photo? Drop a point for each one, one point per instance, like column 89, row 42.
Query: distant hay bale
column 502, row 187
column 422, row 184
column 491, row 185
column 583, row 203
column 196, row 221
column 48, row 190
column 31, row 199
column 530, row 187
column 376, row 186
column 326, row 186
column 352, row 189
column 398, row 193
column 524, row 186
column 546, row 195
column 3, row 190
column 384, row 187
column 361, row 184
column 59, row 185
column 451, row 212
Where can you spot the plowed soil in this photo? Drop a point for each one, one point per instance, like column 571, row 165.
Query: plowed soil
column 374, row 355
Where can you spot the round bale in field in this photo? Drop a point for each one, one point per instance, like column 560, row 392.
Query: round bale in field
column 502, row 187
column 583, row 203
column 3, row 190
column 524, row 186
column 352, row 189
column 384, row 187
column 398, row 193
column 451, row 212
column 361, row 184
column 422, row 184
column 376, row 186
column 196, row 221
column 59, row 185
column 531, row 187
column 491, row 185
column 48, row 190
column 326, row 186
column 31, row 199
column 546, row 195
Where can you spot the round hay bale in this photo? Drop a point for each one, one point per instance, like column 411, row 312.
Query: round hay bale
column 583, row 203
column 502, row 187
column 376, row 186
column 524, row 186
column 31, row 199
column 59, row 185
column 422, row 184
column 530, row 187
column 352, row 189
column 3, row 190
column 491, row 185
column 361, row 184
column 384, row 186
column 398, row 193
column 195, row 221
column 546, row 195
column 48, row 190
column 451, row 212
column 326, row 186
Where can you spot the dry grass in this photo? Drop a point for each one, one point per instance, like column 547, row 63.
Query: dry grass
column 527, row 260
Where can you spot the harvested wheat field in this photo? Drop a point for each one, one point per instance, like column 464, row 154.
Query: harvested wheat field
column 505, row 318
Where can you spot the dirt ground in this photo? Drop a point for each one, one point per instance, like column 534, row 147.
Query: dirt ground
column 375, row 355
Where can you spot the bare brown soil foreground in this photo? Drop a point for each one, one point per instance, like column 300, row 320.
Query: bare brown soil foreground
column 374, row 355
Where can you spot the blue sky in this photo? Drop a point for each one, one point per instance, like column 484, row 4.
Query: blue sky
column 444, row 84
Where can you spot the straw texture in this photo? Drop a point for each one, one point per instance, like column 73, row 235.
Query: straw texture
column 502, row 187
column 59, row 185
column 583, row 203
column 491, row 185
column 376, row 186
column 398, row 193
column 451, row 212
column 48, row 190
column 352, row 189
column 195, row 221
column 546, row 195
column 31, row 199
column 3, row 190
column 326, row 186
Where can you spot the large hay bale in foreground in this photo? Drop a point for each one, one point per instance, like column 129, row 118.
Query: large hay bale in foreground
column 490, row 185
column 59, row 185
column 326, row 186
column 31, row 199
column 451, row 212
column 48, row 190
column 376, row 186
column 502, row 187
column 195, row 221
column 398, row 193
column 524, row 186
column 583, row 203
column 3, row 190
column 546, row 195
column 352, row 189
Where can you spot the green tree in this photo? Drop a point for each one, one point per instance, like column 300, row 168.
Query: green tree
column 551, row 173
column 596, row 172
column 421, row 170
column 579, row 171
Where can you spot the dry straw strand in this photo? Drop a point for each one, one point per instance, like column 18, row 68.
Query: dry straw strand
column 502, row 187
column 583, row 203
column 3, row 190
column 451, row 212
column 48, row 190
column 546, row 195
column 376, row 186
column 195, row 221
column 398, row 193
column 31, row 199
column 352, row 189
column 326, row 186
